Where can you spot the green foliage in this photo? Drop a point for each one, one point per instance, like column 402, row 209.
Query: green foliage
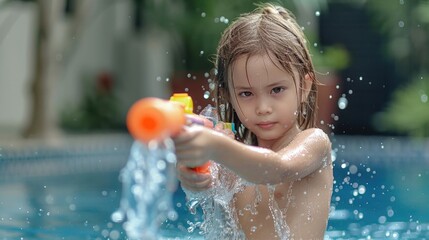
column 405, row 25
column 408, row 111
column 98, row 110
column 331, row 58
column 196, row 27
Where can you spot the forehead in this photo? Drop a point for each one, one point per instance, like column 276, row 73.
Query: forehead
column 258, row 68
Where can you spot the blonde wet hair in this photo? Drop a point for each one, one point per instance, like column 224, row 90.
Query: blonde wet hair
column 271, row 30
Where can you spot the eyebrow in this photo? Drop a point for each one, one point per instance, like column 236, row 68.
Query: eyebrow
column 276, row 83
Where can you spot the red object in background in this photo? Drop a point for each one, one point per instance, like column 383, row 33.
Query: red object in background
column 104, row 82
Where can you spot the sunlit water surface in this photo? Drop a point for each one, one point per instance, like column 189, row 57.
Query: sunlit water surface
column 70, row 192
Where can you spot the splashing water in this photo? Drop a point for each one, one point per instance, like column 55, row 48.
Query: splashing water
column 219, row 219
column 149, row 180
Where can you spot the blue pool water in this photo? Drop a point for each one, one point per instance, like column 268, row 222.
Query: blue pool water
column 70, row 190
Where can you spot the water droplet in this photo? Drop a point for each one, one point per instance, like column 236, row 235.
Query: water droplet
column 390, row 213
column 342, row 103
column 206, row 95
column 172, row 215
column 203, row 14
column 401, row 24
column 114, row 234
column 361, row 189
column 424, row 98
column 382, row 219
column 360, row 78
column 161, row 165
column 72, row 207
column 118, row 216
column 201, row 52
column 353, row 169
column 317, row 13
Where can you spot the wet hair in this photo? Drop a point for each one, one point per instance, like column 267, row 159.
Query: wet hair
column 271, row 30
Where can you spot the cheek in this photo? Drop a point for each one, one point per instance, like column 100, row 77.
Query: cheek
column 242, row 109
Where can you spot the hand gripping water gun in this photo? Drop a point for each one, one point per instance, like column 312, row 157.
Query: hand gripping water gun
column 155, row 119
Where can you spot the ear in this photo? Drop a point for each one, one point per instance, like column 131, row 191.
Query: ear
column 306, row 86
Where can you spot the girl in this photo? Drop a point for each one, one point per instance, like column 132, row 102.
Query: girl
column 267, row 87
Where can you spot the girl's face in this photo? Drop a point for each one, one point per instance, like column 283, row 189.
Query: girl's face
column 265, row 98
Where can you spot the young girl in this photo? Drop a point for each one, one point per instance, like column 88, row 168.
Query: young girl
column 267, row 87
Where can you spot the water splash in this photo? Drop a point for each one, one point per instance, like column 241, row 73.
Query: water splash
column 219, row 219
column 149, row 180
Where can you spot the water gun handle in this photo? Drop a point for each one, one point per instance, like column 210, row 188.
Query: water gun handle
column 154, row 119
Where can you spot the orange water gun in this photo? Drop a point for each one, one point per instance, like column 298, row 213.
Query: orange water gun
column 154, row 119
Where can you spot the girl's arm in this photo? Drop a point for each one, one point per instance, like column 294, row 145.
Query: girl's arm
column 308, row 152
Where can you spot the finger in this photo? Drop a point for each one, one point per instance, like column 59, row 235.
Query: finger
column 192, row 180
column 185, row 158
column 187, row 174
column 196, row 186
column 184, row 136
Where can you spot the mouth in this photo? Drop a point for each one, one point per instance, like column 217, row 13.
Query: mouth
column 265, row 125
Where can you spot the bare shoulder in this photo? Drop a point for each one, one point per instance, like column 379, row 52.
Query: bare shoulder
column 316, row 134
column 314, row 140
column 312, row 135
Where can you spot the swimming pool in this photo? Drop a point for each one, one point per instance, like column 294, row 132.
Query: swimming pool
column 69, row 190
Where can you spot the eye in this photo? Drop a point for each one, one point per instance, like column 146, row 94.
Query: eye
column 245, row 94
column 277, row 90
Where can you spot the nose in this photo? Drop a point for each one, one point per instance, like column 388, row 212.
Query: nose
column 263, row 107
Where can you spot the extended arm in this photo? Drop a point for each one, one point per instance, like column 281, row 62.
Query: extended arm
column 308, row 152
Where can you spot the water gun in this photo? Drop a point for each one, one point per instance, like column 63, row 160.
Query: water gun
column 155, row 119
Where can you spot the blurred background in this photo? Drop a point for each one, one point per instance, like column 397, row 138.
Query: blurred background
column 75, row 66
column 71, row 69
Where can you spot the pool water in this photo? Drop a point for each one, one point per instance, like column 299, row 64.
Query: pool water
column 70, row 191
